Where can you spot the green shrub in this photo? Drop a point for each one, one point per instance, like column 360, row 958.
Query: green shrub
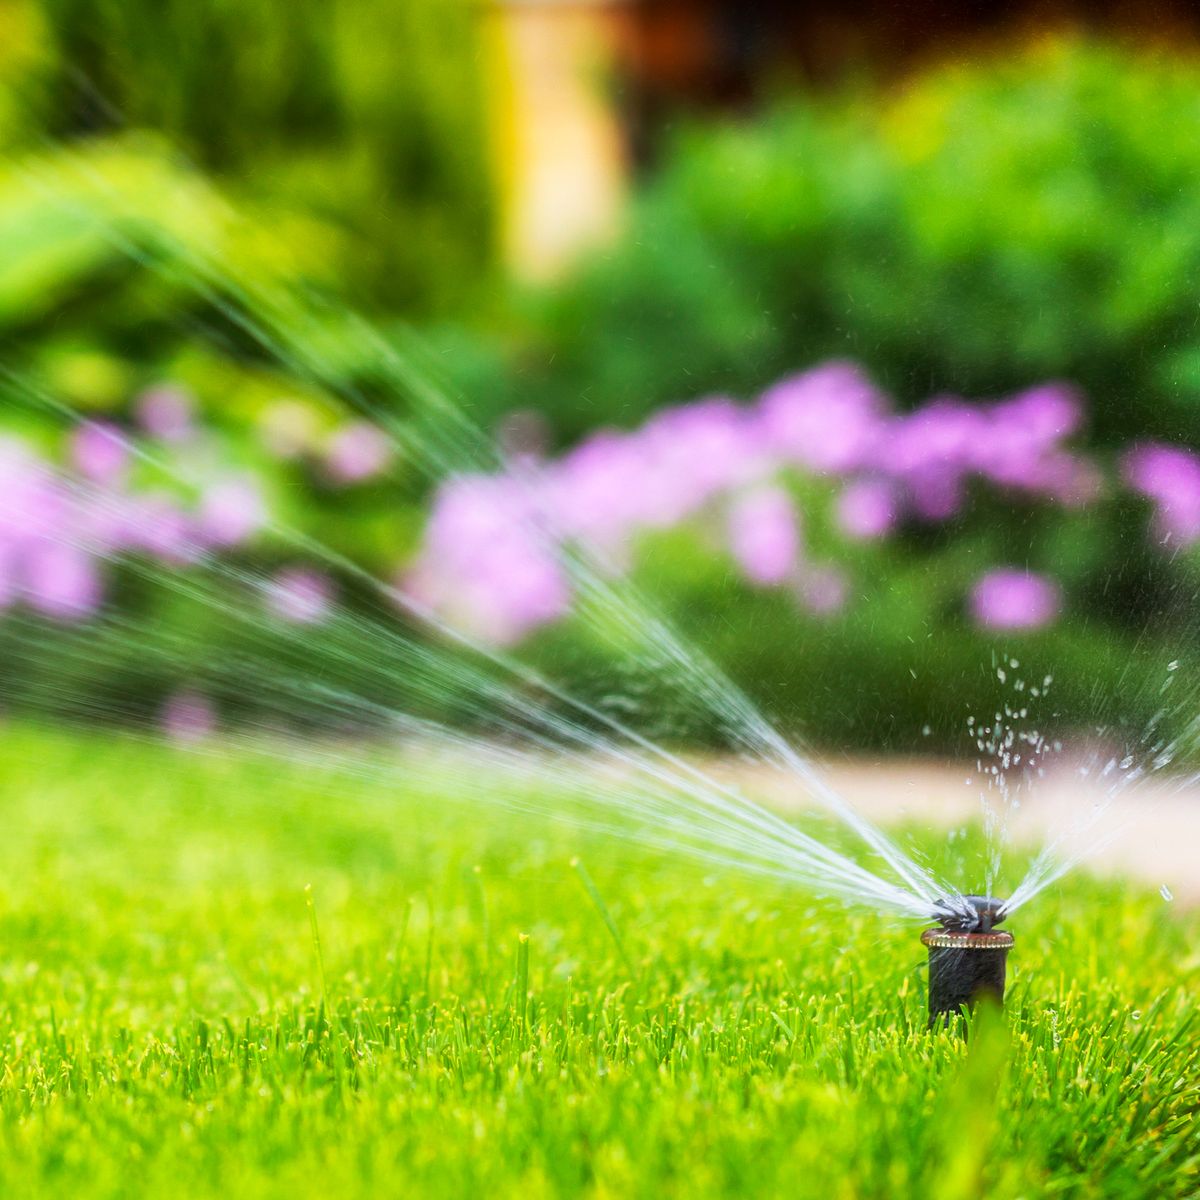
column 368, row 114
column 984, row 227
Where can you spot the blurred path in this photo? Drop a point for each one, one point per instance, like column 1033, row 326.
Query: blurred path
column 1158, row 841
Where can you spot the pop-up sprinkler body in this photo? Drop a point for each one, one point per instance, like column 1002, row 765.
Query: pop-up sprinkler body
column 967, row 956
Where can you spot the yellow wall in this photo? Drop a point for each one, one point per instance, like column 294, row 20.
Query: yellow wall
column 562, row 158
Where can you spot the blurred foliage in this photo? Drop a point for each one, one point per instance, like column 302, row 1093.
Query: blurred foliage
column 121, row 269
column 368, row 115
column 984, row 227
column 902, row 666
column 189, row 194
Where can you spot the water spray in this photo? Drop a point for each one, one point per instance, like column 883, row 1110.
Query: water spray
column 967, row 956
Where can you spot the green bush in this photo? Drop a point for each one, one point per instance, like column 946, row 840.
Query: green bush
column 983, row 228
column 979, row 231
column 366, row 114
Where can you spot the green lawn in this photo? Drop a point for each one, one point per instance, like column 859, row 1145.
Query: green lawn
column 166, row 1027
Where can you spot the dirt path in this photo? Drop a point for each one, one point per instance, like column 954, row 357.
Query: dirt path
column 1154, row 835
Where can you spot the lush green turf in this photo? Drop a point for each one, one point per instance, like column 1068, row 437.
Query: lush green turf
column 167, row 1027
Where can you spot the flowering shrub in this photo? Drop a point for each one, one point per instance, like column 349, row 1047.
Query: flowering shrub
column 490, row 557
column 820, row 495
column 63, row 530
column 974, row 226
column 58, row 533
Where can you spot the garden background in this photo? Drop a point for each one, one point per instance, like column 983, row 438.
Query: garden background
column 867, row 368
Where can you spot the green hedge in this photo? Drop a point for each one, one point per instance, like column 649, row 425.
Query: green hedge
column 983, row 227
column 369, row 115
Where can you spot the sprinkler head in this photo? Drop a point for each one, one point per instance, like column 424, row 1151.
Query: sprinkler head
column 984, row 913
column 967, row 956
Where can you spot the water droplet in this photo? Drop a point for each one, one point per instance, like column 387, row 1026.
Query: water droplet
column 1136, row 1015
column 925, row 731
column 1166, row 893
column 1001, row 675
column 1173, row 665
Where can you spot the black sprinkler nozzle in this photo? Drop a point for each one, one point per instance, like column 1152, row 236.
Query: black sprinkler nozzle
column 967, row 955
column 969, row 914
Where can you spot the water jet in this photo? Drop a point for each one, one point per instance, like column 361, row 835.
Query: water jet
column 968, row 956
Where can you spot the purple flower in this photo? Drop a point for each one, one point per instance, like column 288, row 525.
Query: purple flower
column 100, row 453
column 492, row 544
column 694, row 451
column 231, row 511
column 499, row 594
column 357, row 452
column 33, row 502
column 1012, row 599
column 764, row 535
column 930, row 452
column 488, row 564
column 188, row 717
column 945, row 434
column 1045, row 414
column 165, row 412
column 1171, row 478
column 61, row 580
column 1022, row 449
column 300, row 595
column 828, row 419
column 473, row 512
column 867, row 509
column 594, row 493
column 515, row 590
column 934, row 451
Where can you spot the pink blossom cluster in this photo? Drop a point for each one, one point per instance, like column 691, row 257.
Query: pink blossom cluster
column 496, row 547
column 833, row 421
column 59, row 530
column 491, row 562
column 1012, row 599
column 61, row 526
column 1170, row 478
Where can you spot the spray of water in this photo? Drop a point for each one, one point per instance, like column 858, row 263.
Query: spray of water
column 436, row 436
column 1122, row 777
column 617, row 780
column 623, row 779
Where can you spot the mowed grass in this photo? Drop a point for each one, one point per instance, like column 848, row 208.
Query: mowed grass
column 472, row 1027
